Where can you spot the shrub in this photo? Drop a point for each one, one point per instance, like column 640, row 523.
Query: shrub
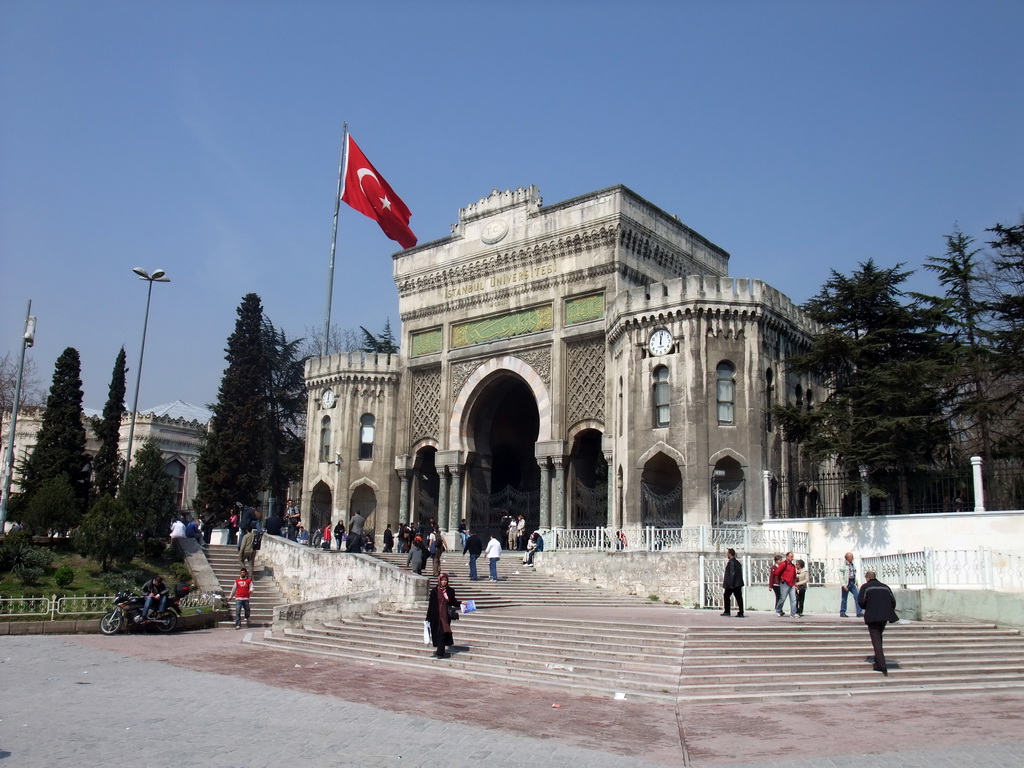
column 22, row 536
column 108, row 533
column 64, row 576
column 128, row 578
column 17, row 556
column 180, row 573
column 155, row 548
column 29, row 575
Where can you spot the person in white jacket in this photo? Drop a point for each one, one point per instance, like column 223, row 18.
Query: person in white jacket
column 493, row 553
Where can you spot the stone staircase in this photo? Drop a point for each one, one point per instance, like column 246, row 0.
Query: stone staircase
column 680, row 656
column 224, row 561
column 802, row 660
column 518, row 585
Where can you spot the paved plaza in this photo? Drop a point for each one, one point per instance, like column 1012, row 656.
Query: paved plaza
column 204, row 699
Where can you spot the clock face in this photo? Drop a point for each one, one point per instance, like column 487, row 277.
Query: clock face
column 327, row 398
column 660, row 342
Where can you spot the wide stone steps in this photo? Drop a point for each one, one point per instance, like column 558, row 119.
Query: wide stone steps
column 224, row 561
column 518, row 585
column 662, row 662
column 829, row 659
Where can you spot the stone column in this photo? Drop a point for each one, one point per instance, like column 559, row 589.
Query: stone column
column 610, row 485
column 456, row 505
column 545, row 493
column 559, row 511
column 405, row 481
column 979, row 483
column 766, row 494
column 442, row 499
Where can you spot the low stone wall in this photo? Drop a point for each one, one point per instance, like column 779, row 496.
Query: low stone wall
column 202, row 574
column 320, row 578
column 961, row 605
column 672, row 576
column 337, row 608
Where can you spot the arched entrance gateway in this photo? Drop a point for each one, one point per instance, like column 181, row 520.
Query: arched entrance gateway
column 502, row 472
column 321, row 503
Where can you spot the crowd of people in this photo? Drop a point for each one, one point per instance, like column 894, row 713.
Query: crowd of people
column 788, row 580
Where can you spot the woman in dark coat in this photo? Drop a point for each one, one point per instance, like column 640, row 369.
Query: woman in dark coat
column 441, row 598
column 732, row 583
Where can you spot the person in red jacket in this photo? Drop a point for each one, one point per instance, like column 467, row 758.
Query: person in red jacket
column 240, row 593
column 787, row 586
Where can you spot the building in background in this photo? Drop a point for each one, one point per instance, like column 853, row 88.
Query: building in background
column 179, row 429
column 585, row 364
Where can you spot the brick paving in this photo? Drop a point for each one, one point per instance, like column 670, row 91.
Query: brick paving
column 204, row 699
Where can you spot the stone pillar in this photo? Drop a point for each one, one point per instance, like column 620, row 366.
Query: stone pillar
column 610, row 485
column 545, row 493
column 559, row 511
column 865, row 497
column 442, row 499
column 456, row 504
column 979, row 484
column 405, row 481
column 766, row 494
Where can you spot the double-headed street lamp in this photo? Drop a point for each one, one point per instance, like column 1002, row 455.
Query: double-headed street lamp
column 158, row 276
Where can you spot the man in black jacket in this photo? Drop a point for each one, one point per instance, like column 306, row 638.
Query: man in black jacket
column 879, row 606
column 732, row 583
column 473, row 547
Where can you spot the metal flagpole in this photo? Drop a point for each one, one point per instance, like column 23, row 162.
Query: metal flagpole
column 334, row 241
column 27, row 340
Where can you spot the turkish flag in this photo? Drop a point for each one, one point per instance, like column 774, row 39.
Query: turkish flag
column 367, row 192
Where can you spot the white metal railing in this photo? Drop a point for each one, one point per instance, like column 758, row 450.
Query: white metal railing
column 53, row 606
column 692, row 538
column 57, row 607
column 966, row 568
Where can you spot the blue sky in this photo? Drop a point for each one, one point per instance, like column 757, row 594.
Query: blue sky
column 203, row 138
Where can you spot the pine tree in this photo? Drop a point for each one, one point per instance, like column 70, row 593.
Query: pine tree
column 231, row 465
column 60, row 449
column 383, row 343
column 107, row 466
column 883, row 363
column 1008, row 336
column 148, row 492
column 286, row 397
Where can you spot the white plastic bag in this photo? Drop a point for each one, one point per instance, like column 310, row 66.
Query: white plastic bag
column 426, row 632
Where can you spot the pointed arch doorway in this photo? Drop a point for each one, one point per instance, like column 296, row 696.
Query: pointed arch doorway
column 504, row 478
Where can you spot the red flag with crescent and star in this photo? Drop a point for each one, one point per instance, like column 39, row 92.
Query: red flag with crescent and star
column 367, row 192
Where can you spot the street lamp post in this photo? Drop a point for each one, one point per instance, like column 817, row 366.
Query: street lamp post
column 27, row 340
column 158, row 276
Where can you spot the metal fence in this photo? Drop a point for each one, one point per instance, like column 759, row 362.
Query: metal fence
column 55, row 608
column 960, row 568
column 841, row 493
column 692, row 538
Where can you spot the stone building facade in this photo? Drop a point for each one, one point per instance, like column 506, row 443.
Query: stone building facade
column 586, row 364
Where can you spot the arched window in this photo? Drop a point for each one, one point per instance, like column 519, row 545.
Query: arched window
column 726, row 393
column 176, row 471
column 366, row 436
column 769, row 398
column 325, row 438
column 662, row 397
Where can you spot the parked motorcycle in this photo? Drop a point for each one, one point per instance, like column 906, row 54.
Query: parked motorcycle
column 127, row 612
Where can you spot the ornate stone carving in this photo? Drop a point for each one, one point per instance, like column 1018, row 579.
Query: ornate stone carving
column 426, row 403
column 585, row 380
column 459, row 373
column 539, row 360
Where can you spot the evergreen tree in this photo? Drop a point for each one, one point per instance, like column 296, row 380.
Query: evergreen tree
column 231, row 465
column 107, row 466
column 382, row 344
column 964, row 314
column 286, row 397
column 60, row 449
column 1008, row 335
column 52, row 508
column 882, row 362
column 109, row 533
column 148, row 492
